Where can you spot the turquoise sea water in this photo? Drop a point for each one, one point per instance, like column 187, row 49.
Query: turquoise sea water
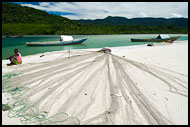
column 94, row 41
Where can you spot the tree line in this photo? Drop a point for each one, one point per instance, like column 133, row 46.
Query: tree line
column 81, row 29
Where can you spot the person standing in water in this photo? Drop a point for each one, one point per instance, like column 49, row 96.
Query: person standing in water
column 15, row 58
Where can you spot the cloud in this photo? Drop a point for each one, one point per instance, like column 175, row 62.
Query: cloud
column 99, row 10
column 176, row 15
column 35, row 6
column 143, row 14
column 45, row 4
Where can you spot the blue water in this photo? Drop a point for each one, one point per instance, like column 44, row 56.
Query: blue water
column 94, row 41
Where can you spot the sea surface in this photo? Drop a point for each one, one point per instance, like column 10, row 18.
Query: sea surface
column 94, row 41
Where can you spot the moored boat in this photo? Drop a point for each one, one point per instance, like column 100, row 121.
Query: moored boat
column 64, row 40
column 14, row 36
column 160, row 38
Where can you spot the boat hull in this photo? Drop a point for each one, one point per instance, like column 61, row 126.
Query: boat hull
column 56, row 43
column 155, row 39
column 14, row 36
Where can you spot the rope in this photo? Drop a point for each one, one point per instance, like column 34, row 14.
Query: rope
column 24, row 109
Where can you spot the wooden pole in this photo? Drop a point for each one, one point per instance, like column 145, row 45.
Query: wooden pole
column 69, row 53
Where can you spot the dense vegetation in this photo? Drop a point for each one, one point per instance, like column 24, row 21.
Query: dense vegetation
column 17, row 19
column 148, row 21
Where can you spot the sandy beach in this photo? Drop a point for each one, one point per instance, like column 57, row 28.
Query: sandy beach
column 134, row 85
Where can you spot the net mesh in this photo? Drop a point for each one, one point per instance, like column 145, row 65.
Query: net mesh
column 66, row 91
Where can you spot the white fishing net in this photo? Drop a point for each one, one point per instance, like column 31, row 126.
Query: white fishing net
column 89, row 88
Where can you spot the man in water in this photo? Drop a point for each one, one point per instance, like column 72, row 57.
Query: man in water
column 15, row 58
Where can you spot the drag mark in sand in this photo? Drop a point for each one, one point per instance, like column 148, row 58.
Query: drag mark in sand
column 148, row 110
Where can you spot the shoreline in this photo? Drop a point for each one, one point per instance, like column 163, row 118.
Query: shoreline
column 103, row 34
column 94, row 49
column 154, row 70
column 25, row 50
column 114, row 49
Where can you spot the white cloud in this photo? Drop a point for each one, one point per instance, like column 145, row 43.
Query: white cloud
column 46, row 4
column 34, row 6
column 99, row 10
column 176, row 15
column 143, row 14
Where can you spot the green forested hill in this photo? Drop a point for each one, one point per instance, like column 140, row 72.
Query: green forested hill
column 17, row 19
column 13, row 13
column 148, row 21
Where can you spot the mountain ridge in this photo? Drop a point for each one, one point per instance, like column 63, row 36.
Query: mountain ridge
column 146, row 21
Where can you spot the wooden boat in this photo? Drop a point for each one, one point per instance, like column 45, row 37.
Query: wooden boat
column 160, row 38
column 14, row 36
column 56, row 43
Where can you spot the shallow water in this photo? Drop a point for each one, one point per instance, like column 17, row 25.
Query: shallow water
column 94, row 41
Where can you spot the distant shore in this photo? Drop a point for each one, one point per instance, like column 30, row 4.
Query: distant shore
column 99, row 34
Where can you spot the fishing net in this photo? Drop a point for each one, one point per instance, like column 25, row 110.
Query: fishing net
column 23, row 87
column 82, row 89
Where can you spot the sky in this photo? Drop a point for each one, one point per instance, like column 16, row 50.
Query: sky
column 100, row 10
